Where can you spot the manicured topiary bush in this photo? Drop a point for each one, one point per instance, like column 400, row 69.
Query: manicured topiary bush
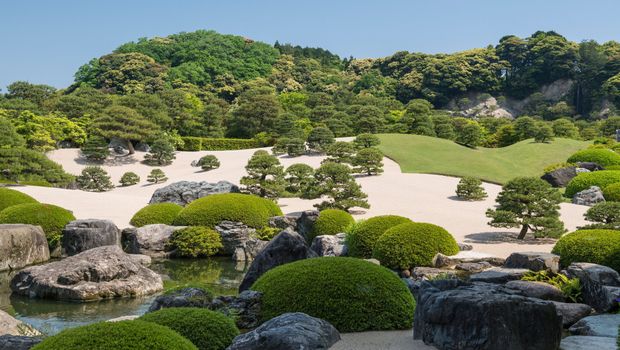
column 583, row 181
column 593, row 246
column 157, row 213
column 413, row 244
column 129, row 179
column 208, row 330
column 361, row 240
column 51, row 218
column 331, row 222
column 600, row 156
column 211, row 210
column 612, row 192
column 352, row 294
column 124, row 335
column 9, row 197
column 195, row 241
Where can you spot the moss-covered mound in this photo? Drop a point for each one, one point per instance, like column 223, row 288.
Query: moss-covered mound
column 594, row 246
column 352, row 294
column 9, row 197
column 51, row 218
column 331, row 222
column 612, row 192
column 208, row 330
column 211, row 210
column 584, row 181
column 600, row 156
column 158, row 213
column 124, row 335
column 361, row 240
column 413, row 244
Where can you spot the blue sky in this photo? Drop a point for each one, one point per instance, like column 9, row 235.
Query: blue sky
column 46, row 41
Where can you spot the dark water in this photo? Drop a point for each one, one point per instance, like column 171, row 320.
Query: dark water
column 220, row 275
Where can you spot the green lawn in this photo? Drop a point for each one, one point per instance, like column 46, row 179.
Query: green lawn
column 422, row 154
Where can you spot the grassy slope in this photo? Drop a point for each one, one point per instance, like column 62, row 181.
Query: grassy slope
column 422, row 154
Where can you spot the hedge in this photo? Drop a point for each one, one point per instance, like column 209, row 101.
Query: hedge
column 51, row 218
column 600, row 156
column 413, row 244
column 9, row 197
column 584, row 181
column 352, row 294
column 331, row 222
column 195, row 241
column 191, row 143
column 123, row 335
column 593, row 246
column 208, row 330
column 361, row 240
column 612, row 192
column 157, row 213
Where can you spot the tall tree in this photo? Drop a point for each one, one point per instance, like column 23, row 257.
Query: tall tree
column 125, row 124
column 265, row 175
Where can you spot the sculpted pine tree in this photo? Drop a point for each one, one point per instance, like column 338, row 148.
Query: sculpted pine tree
column 123, row 123
column 95, row 149
column 334, row 181
column 470, row 188
column 529, row 203
column 94, row 179
column 208, row 162
column 298, row 177
column 129, row 179
column 161, row 153
column 265, row 175
column 366, row 140
column 340, row 152
column 319, row 138
column 156, row 176
column 368, row 161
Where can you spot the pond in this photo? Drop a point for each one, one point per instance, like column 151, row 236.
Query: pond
column 220, row 275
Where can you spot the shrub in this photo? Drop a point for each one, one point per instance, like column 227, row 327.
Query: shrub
column 129, row 179
column 94, row 179
column 9, row 197
column 352, row 294
column 51, row 218
column 208, row 330
column 124, row 335
column 217, row 144
column 592, row 246
column 161, row 153
column 604, row 213
column 21, row 164
column 195, row 242
column 413, row 244
column 331, row 222
column 156, row 213
column 267, row 233
column 211, row 210
column 208, row 162
column 156, row 176
column 361, row 240
column 584, row 181
column 612, row 192
column 601, row 156
column 570, row 287
column 612, row 167
column 470, row 188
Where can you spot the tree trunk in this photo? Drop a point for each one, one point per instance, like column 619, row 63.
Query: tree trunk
column 523, row 231
column 130, row 147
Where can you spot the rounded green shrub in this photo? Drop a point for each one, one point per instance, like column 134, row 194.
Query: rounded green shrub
column 361, row 240
column 157, row 213
column 600, row 156
column 129, row 179
column 352, row 294
column 51, row 218
column 9, row 197
column 413, row 244
column 196, row 241
column 612, row 192
column 584, row 181
column 331, row 222
column 593, row 246
column 211, row 210
column 124, row 335
column 612, row 167
column 208, row 330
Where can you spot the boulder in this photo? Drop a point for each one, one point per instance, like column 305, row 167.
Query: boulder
column 589, row 196
column 283, row 222
column 473, row 266
column 465, row 247
column 588, row 343
column 141, row 259
column 12, row 326
column 81, row 235
column 452, row 314
column 244, row 308
column 16, row 342
column 233, row 234
column 98, row 273
column 289, row 331
column 560, row 177
column 124, row 318
column 535, row 261
column 597, row 326
column 286, row 247
column 249, row 250
column 421, row 272
column 590, row 166
column 305, row 222
column 185, row 297
column 441, row 260
column 142, row 147
column 22, row 245
column 184, row 192
column 498, row 275
column 600, row 285
column 538, row 290
column 149, row 240
column 329, row 245
column 572, row 312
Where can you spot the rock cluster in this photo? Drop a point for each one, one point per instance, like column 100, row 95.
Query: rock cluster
column 589, row 197
column 184, row 192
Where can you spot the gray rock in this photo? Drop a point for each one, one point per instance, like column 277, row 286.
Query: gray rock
column 98, row 273
column 588, row 343
column 141, row 259
column 535, row 261
column 452, row 314
column 286, row 247
column 465, row 247
column 421, row 272
column 244, row 308
column 600, row 285
column 597, row 326
column 289, row 331
column 149, row 240
column 572, row 312
column 16, row 342
column 249, row 250
column 234, row 234
column 185, row 297
column 581, row 170
column 142, row 147
column 329, row 245
column 305, row 223
column 590, row 166
column 124, row 318
column 119, row 146
column 184, row 192
column 473, row 267
column 81, row 235
column 538, row 290
column 440, row 260
column 283, row 222
column 560, row 177
column 12, row 326
column 498, row 275
column 589, row 196
column 22, row 245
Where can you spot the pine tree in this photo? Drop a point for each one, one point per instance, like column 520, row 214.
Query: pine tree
column 94, row 179
column 95, row 149
column 334, row 181
column 265, row 175
column 156, row 176
column 129, row 179
column 340, row 152
column 124, row 123
column 368, row 161
column 470, row 188
column 161, row 153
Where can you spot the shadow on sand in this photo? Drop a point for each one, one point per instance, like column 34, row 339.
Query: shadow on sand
column 505, row 237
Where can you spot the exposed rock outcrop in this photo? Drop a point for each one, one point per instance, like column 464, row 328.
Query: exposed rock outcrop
column 589, row 196
column 22, row 245
column 184, row 192
column 329, row 245
column 16, row 342
column 600, row 285
column 560, row 177
column 81, row 235
column 12, row 326
column 233, row 234
column 535, row 261
column 149, row 240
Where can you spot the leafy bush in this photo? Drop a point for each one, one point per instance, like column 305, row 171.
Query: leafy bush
column 124, row 335
column 21, row 164
column 352, row 294
column 470, row 188
column 612, row 192
column 208, row 162
column 211, row 210
column 208, row 330
column 600, row 156
column 267, row 233
column 612, row 167
column 9, row 197
column 94, row 179
column 156, row 213
column 129, row 179
column 195, row 242
column 362, row 238
column 156, row 176
column 413, row 244
column 593, row 246
column 570, row 287
column 584, row 181
column 51, row 218
column 217, row 144
column 331, row 222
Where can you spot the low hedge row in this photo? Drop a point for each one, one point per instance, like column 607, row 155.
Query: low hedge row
column 191, row 143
